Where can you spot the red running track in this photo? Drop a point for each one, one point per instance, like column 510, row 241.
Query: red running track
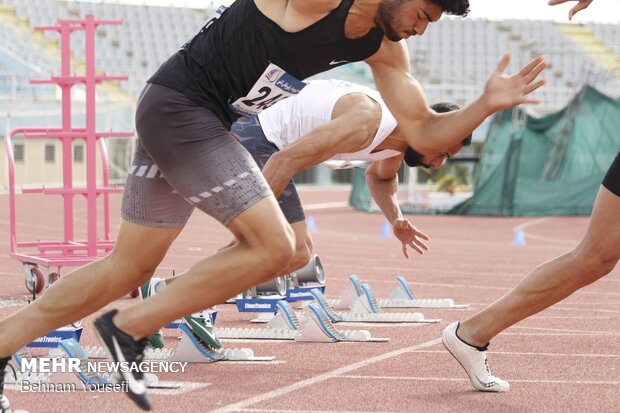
column 565, row 359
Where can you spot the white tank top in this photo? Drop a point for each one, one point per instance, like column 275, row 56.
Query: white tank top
column 292, row 118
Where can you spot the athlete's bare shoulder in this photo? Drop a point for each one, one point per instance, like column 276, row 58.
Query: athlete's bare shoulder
column 295, row 15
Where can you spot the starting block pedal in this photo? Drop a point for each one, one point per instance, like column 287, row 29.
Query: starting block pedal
column 402, row 297
column 317, row 327
column 365, row 309
column 191, row 350
column 314, row 325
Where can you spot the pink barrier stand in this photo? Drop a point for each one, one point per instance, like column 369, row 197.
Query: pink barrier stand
column 68, row 251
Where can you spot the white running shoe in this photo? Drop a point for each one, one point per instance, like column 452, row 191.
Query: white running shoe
column 474, row 362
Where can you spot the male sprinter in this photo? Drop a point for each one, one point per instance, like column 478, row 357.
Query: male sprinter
column 340, row 122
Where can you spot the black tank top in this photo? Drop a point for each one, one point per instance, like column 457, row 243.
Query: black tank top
column 225, row 59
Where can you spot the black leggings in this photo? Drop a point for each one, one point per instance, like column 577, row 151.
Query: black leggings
column 248, row 131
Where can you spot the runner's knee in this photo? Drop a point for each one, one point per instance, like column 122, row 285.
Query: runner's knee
column 303, row 253
column 138, row 269
column 276, row 250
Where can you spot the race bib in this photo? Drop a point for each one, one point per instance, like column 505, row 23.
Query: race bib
column 272, row 86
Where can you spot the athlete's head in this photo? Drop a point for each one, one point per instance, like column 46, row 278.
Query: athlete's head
column 399, row 19
column 414, row 158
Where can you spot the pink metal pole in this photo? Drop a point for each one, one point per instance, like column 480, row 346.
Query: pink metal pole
column 106, row 183
column 67, row 144
column 11, row 163
column 91, row 138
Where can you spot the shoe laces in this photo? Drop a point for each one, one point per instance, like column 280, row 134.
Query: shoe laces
column 486, row 364
column 3, row 363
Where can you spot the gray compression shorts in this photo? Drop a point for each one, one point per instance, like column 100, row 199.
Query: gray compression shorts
column 612, row 178
column 249, row 132
column 186, row 159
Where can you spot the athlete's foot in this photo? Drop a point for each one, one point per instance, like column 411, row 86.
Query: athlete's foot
column 473, row 360
column 123, row 349
column 201, row 326
column 4, row 401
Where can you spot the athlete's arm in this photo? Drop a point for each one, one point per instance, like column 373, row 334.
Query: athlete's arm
column 382, row 179
column 406, row 100
column 348, row 131
column 581, row 4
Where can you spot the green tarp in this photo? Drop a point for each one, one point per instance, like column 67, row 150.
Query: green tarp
column 536, row 166
column 546, row 166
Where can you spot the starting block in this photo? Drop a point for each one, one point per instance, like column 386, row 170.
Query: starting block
column 314, row 326
column 291, row 287
column 365, row 309
column 190, row 350
column 53, row 339
column 401, row 297
column 317, row 327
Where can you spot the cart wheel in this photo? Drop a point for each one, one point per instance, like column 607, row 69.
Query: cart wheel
column 135, row 293
column 52, row 277
column 36, row 282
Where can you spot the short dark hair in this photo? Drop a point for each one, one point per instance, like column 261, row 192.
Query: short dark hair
column 453, row 7
column 412, row 157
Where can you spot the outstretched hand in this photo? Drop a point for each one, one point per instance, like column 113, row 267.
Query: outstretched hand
column 409, row 236
column 506, row 91
column 581, row 4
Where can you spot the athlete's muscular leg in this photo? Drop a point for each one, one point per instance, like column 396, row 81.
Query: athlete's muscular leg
column 303, row 248
column 137, row 252
column 266, row 245
column 593, row 258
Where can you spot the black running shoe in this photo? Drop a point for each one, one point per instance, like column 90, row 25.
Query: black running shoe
column 123, row 349
column 4, row 401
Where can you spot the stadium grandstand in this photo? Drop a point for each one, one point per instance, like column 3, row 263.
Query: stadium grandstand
column 452, row 61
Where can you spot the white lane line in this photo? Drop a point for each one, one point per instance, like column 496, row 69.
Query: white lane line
column 325, row 205
column 565, row 330
column 550, row 240
column 540, row 317
column 562, row 334
column 598, row 310
column 410, row 378
column 322, row 377
column 532, row 222
column 185, row 387
column 309, row 411
column 525, row 353
column 541, row 238
column 382, row 325
column 262, row 362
